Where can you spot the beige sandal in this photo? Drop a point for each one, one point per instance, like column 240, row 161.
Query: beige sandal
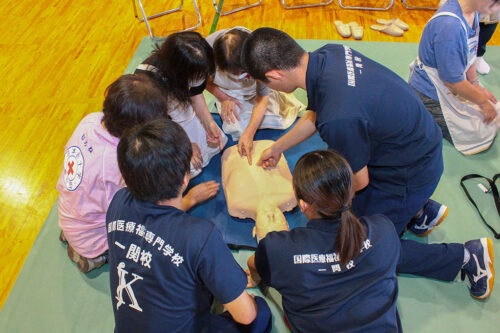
column 344, row 30
column 392, row 29
column 356, row 30
column 400, row 24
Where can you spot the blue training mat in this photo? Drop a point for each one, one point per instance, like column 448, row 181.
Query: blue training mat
column 237, row 233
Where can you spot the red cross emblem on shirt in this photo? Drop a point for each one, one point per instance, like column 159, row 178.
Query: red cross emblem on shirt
column 70, row 167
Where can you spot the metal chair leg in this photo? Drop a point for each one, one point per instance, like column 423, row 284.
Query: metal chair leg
column 221, row 13
column 367, row 8
column 305, row 6
column 145, row 18
column 416, row 7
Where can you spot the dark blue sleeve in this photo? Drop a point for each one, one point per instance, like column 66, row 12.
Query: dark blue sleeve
column 350, row 137
column 261, row 262
column 219, row 271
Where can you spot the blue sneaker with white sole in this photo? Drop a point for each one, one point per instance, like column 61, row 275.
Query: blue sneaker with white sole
column 479, row 269
column 434, row 213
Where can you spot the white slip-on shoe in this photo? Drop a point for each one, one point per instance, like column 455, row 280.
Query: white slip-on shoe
column 399, row 23
column 392, row 29
column 343, row 29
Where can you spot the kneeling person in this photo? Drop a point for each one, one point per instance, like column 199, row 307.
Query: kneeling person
column 91, row 177
column 244, row 104
column 165, row 265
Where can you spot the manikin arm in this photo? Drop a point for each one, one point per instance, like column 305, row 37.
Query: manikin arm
column 303, row 130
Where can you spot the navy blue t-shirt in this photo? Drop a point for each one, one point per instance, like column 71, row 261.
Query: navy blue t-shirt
column 373, row 118
column 165, row 267
column 321, row 295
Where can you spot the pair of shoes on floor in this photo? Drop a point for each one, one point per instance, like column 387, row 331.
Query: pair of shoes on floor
column 347, row 30
column 479, row 269
column 394, row 27
column 432, row 215
column 86, row 264
column 482, row 66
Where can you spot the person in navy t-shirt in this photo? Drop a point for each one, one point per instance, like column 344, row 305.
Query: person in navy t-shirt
column 338, row 273
column 166, row 267
column 378, row 123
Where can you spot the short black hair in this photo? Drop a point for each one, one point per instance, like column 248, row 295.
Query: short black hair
column 267, row 49
column 184, row 57
column 131, row 100
column 153, row 158
column 227, row 50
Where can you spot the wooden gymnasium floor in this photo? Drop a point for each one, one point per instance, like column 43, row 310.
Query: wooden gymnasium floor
column 56, row 59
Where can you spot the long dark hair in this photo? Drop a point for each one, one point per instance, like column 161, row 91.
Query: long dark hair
column 323, row 179
column 183, row 57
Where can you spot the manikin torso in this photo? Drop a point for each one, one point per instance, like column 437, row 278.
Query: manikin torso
column 252, row 192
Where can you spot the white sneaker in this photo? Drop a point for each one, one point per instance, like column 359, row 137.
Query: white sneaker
column 482, row 66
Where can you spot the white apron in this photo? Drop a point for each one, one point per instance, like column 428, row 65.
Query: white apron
column 188, row 120
column 469, row 133
column 191, row 124
column 282, row 109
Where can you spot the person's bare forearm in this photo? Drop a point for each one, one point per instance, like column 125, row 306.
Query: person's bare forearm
column 303, row 129
column 214, row 90
column 253, row 270
column 201, row 109
column 187, row 203
column 467, row 91
column 258, row 112
column 243, row 309
column 471, row 74
column 361, row 179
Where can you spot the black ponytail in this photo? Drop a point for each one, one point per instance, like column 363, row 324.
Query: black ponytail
column 323, row 179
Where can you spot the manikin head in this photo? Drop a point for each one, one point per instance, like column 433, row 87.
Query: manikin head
column 270, row 56
column 154, row 160
column 269, row 218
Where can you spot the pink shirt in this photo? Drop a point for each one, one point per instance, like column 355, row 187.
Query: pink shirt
column 89, row 180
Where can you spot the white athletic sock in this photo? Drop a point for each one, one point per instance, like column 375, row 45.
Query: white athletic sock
column 466, row 257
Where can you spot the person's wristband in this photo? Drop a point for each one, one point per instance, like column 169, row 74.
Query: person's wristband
column 475, row 81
